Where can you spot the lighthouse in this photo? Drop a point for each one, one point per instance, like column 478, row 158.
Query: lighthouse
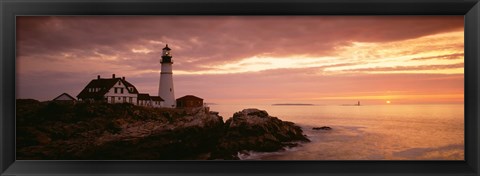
column 165, row 88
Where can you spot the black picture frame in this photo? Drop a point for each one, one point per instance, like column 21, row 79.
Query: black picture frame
column 11, row 8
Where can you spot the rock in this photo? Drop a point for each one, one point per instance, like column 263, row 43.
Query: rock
column 43, row 138
column 255, row 130
column 322, row 128
column 188, row 137
column 127, row 132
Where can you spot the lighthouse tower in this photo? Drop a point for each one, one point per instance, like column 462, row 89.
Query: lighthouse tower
column 165, row 88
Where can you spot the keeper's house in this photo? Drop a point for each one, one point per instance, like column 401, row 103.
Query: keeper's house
column 111, row 90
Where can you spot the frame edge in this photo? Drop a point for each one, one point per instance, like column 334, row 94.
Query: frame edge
column 472, row 42
column 7, row 95
column 8, row 86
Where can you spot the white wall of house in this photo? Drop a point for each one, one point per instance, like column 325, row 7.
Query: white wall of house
column 119, row 94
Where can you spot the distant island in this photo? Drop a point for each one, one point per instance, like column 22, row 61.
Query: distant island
column 356, row 104
column 292, row 104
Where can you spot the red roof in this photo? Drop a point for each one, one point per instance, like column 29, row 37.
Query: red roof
column 189, row 97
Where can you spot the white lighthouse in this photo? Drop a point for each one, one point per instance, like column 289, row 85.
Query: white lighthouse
column 165, row 88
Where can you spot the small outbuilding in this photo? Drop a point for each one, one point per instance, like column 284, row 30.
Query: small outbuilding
column 144, row 99
column 189, row 101
column 149, row 101
column 157, row 101
column 64, row 97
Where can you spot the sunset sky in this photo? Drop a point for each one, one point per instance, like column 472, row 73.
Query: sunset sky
column 250, row 59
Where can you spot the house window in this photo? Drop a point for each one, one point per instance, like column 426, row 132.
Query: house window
column 119, row 98
column 170, row 89
column 119, row 83
column 130, row 99
column 121, row 90
column 112, row 99
column 115, row 90
column 124, row 99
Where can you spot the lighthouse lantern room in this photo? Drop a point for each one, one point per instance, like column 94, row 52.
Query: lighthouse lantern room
column 166, row 54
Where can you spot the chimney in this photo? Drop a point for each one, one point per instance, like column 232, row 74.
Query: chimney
column 98, row 76
column 113, row 75
column 123, row 78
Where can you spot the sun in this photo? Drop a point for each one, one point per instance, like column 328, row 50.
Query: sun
column 388, row 102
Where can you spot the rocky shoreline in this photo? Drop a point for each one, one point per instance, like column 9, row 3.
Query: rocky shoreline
column 255, row 130
column 55, row 131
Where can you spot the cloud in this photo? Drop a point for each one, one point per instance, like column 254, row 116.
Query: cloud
column 446, row 56
column 240, row 57
column 213, row 40
column 406, row 68
column 303, row 85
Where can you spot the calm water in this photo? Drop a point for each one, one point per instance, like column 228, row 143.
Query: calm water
column 375, row 132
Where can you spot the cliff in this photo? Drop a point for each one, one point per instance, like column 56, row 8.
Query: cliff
column 59, row 131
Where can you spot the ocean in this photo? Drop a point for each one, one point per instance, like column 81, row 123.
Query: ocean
column 367, row 132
